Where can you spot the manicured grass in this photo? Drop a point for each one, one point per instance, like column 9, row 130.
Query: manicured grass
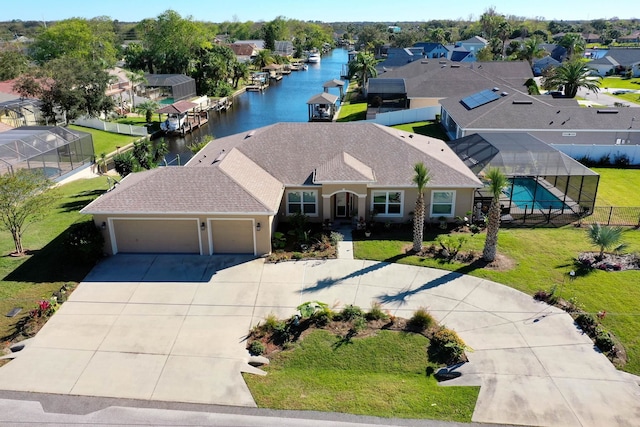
column 383, row 375
column 106, row 142
column 619, row 82
column 629, row 97
column 618, row 187
column 353, row 112
column 27, row 279
column 431, row 129
column 543, row 258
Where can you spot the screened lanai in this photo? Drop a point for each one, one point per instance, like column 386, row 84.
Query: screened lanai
column 542, row 180
column 52, row 150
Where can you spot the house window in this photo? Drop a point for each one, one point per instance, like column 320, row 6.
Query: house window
column 443, row 203
column 305, row 202
column 387, row 203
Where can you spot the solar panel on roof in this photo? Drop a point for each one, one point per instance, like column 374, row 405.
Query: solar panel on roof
column 478, row 99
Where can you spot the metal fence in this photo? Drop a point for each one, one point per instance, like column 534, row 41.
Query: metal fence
column 604, row 215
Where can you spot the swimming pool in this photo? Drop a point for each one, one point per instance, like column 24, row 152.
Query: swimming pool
column 524, row 191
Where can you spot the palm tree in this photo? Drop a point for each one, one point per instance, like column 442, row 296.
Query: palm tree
column 136, row 78
column 573, row 42
column 262, row 59
column 497, row 182
column 147, row 108
column 531, row 50
column 363, row 67
column 421, row 178
column 573, row 75
column 605, row 238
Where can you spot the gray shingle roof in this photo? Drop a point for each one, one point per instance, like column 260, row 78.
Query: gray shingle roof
column 290, row 152
column 624, row 57
column 539, row 113
column 438, row 78
column 247, row 172
column 178, row 190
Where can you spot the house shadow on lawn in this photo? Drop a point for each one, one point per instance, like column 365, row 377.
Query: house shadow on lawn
column 52, row 263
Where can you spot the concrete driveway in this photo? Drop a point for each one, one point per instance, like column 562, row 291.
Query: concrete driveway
column 172, row 328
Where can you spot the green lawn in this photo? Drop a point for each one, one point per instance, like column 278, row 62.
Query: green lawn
column 629, row 97
column 431, row 129
column 383, row 376
column 25, row 280
column 618, row 187
column 619, row 82
column 106, row 142
column 353, row 112
column 543, row 258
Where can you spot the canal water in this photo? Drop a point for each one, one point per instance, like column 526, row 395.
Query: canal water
column 284, row 101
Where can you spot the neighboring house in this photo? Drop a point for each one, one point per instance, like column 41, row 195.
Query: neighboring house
column 461, row 54
column 634, row 37
column 433, row 50
column 592, row 38
column 557, row 52
column 539, row 65
column 618, row 61
column 244, row 52
column 595, row 53
column 430, row 80
column 562, row 123
column 473, row 45
column 176, row 87
column 231, row 196
column 398, row 57
column 16, row 111
column 120, row 90
column 259, row 44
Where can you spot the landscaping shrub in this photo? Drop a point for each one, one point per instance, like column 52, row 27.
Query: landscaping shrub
column 603, row 340
column 84, row 242
column 621, row 160
column 421, row 320
column 586, row 322
column 350, row 312
column 335, row 237
column 446, row 346
column 358, row 324
column 256, row 348
column 376, row 312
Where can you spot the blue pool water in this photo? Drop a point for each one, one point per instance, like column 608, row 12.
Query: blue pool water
column 524, row 190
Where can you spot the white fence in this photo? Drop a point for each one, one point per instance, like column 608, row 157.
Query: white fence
column 407, row 116
column 95, row 123
column 596, row 152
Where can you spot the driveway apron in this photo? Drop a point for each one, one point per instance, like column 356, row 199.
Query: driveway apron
column 173, row 328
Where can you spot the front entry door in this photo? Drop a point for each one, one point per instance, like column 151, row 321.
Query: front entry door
column 342, row 202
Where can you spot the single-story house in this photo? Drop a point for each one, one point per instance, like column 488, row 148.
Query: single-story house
column 244, row 52
column 231, row 195
column 618, row 61
column 430, row 80
column 540, row 65
column 560, row 122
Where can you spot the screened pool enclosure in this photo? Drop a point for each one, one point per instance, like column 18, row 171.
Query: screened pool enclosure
column 543, row 181
column 52, row 150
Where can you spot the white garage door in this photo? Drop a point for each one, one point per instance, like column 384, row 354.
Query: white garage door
column 157, row 235
column 232, row 236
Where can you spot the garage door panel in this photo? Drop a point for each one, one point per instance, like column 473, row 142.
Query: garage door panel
column 157, row 236
column 232, row 236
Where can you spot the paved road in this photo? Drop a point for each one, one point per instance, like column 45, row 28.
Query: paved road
column 171, row 329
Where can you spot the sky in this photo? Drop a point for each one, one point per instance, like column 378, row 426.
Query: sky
column 324, row 10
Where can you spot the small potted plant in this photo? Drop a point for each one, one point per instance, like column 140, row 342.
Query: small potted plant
column 367, row 233
column 442, row 220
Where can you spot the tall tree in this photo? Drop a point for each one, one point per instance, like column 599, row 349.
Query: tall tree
column 12, row 64
column 24, row 198
column 531, row 50
column 421, row 179
column 497, row 182
column 274, row 31
column 574, row 43
column 571, row 76
column 92, row 40
column 363, row 67
column 136, row 78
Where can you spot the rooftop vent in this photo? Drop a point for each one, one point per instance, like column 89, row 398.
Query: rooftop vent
column 250, row 134
column 522, row 102
column 442, row 62
column 607, row 111
column 495, row 89
column 424, row 62
column 455, row 65
column 504, row 94
column 220, row 157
